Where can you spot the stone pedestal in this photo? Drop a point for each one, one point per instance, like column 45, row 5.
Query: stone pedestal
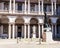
column 49, row 37
column 34, row 35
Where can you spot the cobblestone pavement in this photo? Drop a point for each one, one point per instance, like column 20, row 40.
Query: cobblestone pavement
column 30, row 45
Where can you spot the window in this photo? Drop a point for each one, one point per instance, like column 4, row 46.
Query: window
column 6, row 6
column 20, row 7
column 32, row 7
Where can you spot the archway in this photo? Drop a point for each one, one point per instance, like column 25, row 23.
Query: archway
column 19, row 28
column 34, row 27
column 4, row 28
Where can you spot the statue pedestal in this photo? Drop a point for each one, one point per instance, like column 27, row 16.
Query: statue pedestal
column 49, row 37
column 34, row 35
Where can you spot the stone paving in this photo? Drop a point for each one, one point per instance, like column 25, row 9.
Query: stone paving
column 30, row 45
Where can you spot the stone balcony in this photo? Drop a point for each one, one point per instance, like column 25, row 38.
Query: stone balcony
column 17, row 12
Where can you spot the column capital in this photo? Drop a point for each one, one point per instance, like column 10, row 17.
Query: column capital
column 53, row 0
column 40, row 20
column 27, row 19
column 11, row 19
column 53, row 19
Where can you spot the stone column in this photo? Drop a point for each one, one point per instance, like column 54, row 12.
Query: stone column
column 25, row 6
column 54, row 20
column 39, row 6
column 42, row 6
column 42, row 29
column 28, row 6
column 13, row 26
column 2, row 29
column 16, row 7
column 24, row 30
column 26, row 21
column 10, row 6
column 9, row 31
column 13, row 6
column 52, row 7
column 52, row 29
column 39, row 29
column 12, row 21
column 55, row 7
column 55, row 30
column 16, row 31
column 2, row 6
column 35, row 8
column 28, row 31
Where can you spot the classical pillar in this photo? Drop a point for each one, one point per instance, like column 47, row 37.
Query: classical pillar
column 28, row 31
column 55, row 7
column 2, row 6
column 28, row 6
column 10, row 6
column 52, row 30
column 39, row 29
column 16, row 31
column 9, row 31
column 13, row 26
column 13, row 6
column 2, row 29
column 52, row 7
column 55, row 30
column 42, row 29
column 39, row 6
column 25, row 6
column 16, row 7
column 36, row 7
column 42, row 6
column 24, row 30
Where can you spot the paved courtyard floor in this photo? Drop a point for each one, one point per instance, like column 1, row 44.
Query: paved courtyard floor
column 30, row 45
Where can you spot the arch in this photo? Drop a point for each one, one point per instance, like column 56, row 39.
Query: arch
column 34, row 21
column 4, row 20
column 19, row 21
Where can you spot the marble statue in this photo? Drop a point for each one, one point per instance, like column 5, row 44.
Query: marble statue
column 34, row 31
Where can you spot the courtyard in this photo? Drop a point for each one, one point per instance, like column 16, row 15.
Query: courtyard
column 30, row 45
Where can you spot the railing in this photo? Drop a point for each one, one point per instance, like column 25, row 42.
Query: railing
column 33, row 12
column 19, row 12
column 4, row 11
column 23, row 12
column 49, row 13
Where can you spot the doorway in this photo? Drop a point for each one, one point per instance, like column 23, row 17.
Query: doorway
column 19, row 31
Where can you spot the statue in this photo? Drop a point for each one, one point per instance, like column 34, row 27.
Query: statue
column 46, row 24
column 46, row 21
column 34, row 31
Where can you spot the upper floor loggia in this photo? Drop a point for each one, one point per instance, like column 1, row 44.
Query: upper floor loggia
column 38, row 7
